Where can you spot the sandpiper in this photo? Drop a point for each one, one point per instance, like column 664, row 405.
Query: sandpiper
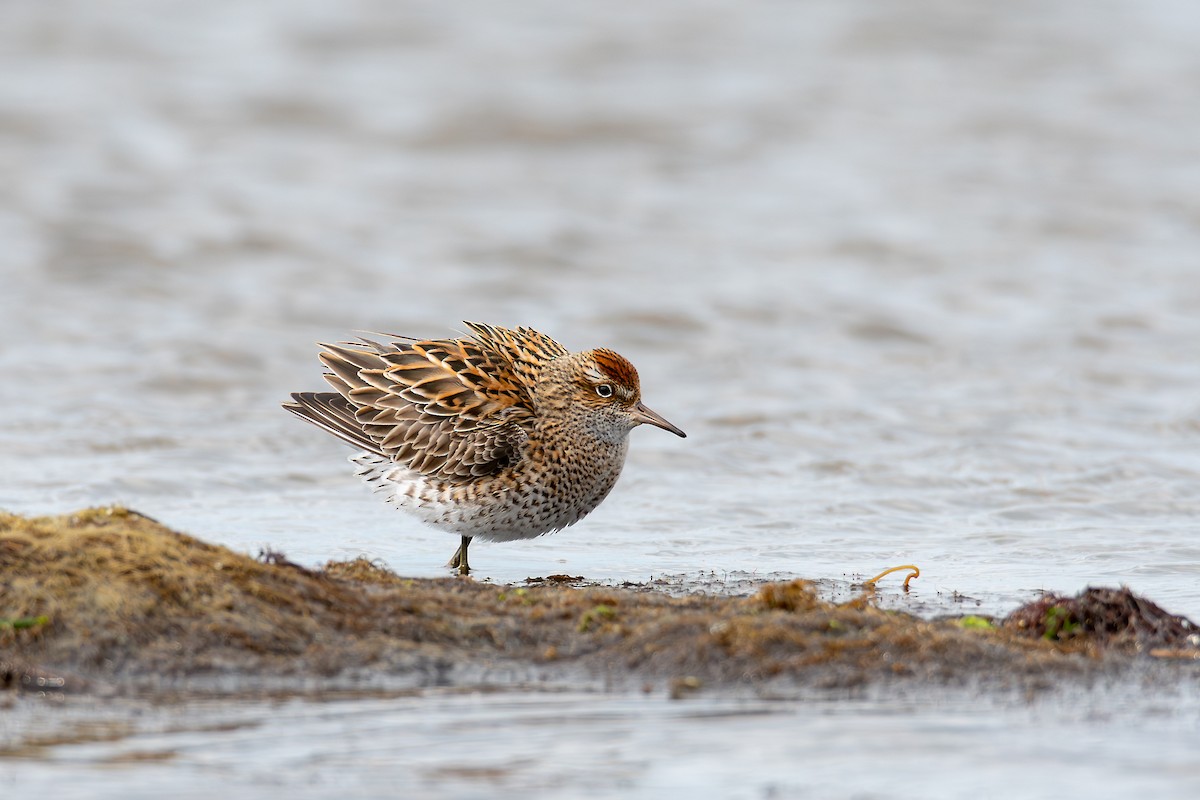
column 502, row 435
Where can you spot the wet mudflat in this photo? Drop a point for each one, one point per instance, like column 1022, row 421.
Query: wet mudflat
column 109, row 600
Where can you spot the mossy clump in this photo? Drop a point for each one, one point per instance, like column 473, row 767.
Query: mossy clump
column 364, row 571
column 1104, row 619
column 119, row 590
column 797, row 595
column 595, row 616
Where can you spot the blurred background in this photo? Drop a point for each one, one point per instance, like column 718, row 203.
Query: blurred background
column 920, row 280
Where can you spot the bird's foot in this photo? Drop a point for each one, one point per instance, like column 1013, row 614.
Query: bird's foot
column 459, row 559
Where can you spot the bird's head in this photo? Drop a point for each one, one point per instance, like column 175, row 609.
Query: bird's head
column 605, row 385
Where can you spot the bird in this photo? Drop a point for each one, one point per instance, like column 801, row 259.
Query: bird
column 499, row 435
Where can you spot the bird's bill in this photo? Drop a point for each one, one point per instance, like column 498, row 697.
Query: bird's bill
column 644, row 415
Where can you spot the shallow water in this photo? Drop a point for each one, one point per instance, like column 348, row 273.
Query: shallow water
column 579, row 744
column 920, row 284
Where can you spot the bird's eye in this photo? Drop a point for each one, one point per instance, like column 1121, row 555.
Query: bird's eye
column 604, row 390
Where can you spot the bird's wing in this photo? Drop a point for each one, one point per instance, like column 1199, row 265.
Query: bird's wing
column 525, row 350
column 449, row 408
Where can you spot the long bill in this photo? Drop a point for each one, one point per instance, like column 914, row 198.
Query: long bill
column 645, row 415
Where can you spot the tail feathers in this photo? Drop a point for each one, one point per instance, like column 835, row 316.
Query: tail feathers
column 333, row 413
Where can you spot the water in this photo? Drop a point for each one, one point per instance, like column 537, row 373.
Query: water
column 577, row 744
column 920, row 283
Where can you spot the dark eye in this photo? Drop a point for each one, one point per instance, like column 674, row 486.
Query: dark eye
column 604, row 390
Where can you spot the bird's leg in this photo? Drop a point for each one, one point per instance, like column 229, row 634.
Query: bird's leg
column 459, row 559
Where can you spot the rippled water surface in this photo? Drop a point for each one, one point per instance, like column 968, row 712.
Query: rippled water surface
column 921, row 281
column 573, row 744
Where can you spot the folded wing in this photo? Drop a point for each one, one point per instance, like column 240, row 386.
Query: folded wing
column 451, row 408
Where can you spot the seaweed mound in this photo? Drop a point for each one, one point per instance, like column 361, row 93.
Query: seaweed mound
column 1108, row 619
column 108, row 597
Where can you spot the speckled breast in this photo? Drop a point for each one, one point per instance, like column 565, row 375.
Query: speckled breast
column 520, row 504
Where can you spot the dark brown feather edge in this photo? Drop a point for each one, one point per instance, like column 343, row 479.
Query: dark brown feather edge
column 334, row 414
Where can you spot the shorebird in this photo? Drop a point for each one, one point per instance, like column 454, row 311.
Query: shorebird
column 500, row 435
